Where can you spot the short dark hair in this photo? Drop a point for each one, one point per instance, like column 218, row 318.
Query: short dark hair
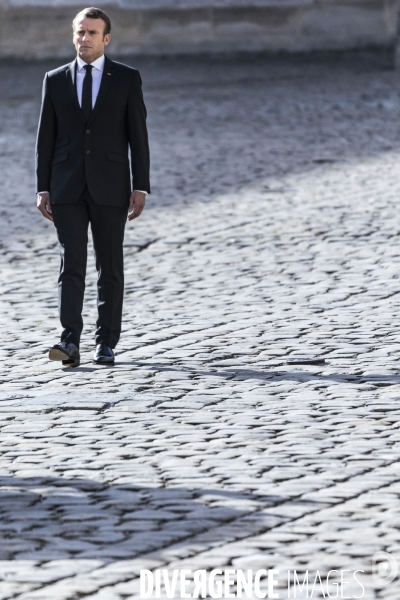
column 94, row 13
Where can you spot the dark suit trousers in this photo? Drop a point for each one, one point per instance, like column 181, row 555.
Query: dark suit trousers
column 107, row 225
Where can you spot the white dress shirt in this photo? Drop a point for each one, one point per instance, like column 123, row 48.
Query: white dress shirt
column 97, row 74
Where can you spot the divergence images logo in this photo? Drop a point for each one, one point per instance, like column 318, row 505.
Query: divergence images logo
column 384, row 568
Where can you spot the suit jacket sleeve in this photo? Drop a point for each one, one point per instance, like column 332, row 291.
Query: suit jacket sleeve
column 46, row 137
column 138, row 139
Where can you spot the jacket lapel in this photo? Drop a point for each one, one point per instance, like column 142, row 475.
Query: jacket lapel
column 106, row 82
column 71, row 74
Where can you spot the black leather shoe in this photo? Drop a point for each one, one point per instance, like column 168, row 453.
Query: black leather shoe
column 67, row 352
column 104, row 355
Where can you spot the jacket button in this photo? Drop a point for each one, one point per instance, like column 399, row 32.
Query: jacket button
column 87, row 130
column 87, row 151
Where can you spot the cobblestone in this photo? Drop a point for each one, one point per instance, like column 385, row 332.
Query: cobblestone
column 272, row 234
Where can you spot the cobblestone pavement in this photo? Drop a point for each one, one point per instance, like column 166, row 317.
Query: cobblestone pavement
column 272, row 233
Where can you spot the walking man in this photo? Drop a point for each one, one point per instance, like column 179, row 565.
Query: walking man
column 92, row 114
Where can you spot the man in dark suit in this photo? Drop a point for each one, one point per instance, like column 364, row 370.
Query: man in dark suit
column 92, row 113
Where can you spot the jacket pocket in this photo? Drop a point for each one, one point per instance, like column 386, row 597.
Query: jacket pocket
column 118, row 158
column 63, row 142
column 59, row 158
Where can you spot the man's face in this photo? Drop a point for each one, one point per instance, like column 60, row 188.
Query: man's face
column 89, row 38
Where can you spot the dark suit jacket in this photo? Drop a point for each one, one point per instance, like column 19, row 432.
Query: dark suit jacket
column 71, row 153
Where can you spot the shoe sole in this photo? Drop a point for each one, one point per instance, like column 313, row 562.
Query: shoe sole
column 71, row 362
column 56, row 354
column 103, row 362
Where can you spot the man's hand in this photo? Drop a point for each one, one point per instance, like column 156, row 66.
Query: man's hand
column 43, row 204
column 136, row 204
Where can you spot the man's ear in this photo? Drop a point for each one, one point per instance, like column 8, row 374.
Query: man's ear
column 107, row 39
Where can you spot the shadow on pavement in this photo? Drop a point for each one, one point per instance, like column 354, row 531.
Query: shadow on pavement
column 281, row 374
column 50, row 518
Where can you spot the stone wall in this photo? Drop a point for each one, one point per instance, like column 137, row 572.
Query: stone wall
column 42, row 28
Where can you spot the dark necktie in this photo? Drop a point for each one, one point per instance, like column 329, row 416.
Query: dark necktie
column 87, row 93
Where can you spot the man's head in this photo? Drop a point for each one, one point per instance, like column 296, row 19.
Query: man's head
column 91, row 27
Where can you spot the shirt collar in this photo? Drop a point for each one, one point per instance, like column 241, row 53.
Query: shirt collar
column 97, row 64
